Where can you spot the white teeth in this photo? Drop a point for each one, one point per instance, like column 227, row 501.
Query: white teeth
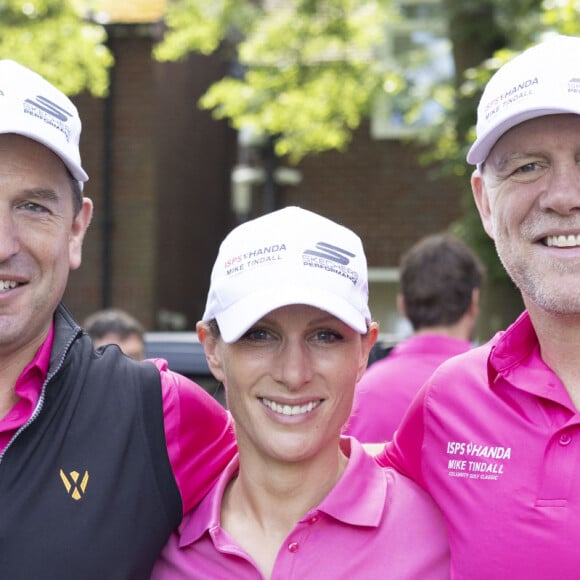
column 291, row 409
column 7, row 284
column 563, row 241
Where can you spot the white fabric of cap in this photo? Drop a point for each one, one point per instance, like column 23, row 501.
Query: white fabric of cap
column 542, row 80
column 289, row 256
column 30, row 106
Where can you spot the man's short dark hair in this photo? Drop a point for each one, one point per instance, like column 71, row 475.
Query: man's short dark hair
column 112, row 321
column 77, row 194
column 438, row 276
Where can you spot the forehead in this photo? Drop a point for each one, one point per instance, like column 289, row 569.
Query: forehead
column 538, row 135
column 19, row 153
column 306, row 310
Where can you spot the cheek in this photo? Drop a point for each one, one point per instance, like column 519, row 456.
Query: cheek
column 240, row 373
column 344, row 371
column 505, row 217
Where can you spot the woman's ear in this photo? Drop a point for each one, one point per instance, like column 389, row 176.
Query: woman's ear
column 211, row 348
column 368, row 341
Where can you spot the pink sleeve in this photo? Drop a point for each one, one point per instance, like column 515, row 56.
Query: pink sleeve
column 199, row 434
column 405, row 451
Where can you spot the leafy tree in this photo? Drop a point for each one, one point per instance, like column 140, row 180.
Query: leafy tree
column 52, row 38
column 309, row 70
column 562, row 15
column 485, row 34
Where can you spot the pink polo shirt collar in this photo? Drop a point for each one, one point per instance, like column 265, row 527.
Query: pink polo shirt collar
column 355, row 500
column 28, row 388
column 516, row 356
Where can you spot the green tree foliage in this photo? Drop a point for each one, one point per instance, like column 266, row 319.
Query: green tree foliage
column 202, row 26
column 311, row 70
column 562, row 15
column 51, row 37
column 309, row 67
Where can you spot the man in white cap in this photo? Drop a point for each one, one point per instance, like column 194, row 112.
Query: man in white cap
column 99, row 454
column 287, row 329
column 494, row 435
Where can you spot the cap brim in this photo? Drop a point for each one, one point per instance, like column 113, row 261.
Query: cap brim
column 74, row 168
column 239, row 317
column 480, row 149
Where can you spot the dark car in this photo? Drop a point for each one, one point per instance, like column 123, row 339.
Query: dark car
column 184, row 354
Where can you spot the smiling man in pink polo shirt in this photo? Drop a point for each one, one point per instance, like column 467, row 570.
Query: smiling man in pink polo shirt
column 100, row 455
column 494, row 435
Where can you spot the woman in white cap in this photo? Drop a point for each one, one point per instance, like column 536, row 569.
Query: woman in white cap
column 288, row 331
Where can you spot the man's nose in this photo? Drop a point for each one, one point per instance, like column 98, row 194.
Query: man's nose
column 9, row 238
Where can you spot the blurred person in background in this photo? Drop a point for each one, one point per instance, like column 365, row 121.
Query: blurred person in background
column 440, row 285
column 115, row 326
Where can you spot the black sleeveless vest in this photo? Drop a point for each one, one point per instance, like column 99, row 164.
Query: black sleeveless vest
column 86, row 488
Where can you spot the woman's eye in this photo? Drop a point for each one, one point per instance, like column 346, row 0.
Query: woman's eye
column 256, row 334
column 328, row 336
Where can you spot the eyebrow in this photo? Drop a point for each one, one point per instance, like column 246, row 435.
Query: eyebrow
column 41, row 193
column 502, row 161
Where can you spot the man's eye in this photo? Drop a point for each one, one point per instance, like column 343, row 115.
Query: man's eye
column 529, row 172
column 34, row 207
column 527, row 168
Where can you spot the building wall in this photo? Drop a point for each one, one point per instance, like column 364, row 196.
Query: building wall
column 119, row 151
column 379, row 189
column 195, row 157
column 159, row 171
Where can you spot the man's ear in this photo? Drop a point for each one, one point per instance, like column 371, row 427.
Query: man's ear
column 481, row 197
column 400, row 301
column 474, row 306
column 77, row 234
column 211, row 348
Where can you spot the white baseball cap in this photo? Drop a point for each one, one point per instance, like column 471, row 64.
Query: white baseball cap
column 32, row 107
column 289, row 256
column 542, row 80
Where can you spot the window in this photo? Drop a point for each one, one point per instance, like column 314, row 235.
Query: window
column 418, row 47
column 383, row 288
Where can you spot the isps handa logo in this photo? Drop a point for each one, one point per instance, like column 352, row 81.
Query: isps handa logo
column 469, row 460
column 74, row 484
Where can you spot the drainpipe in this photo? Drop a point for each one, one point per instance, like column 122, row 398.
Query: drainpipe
column 107, row 209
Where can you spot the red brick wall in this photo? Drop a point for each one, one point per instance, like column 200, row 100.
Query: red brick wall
column 195, row 157
column 132, row 178
column 379, row 189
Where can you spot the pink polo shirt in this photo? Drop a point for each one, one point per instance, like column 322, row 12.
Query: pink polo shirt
column 374, row 524
column 495, row 439
column 198, row 431
column 388, row 386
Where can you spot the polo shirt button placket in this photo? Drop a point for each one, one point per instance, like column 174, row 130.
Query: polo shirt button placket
column 293, row 547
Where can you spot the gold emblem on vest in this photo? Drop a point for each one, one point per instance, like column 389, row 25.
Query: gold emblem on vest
column 74, row 487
